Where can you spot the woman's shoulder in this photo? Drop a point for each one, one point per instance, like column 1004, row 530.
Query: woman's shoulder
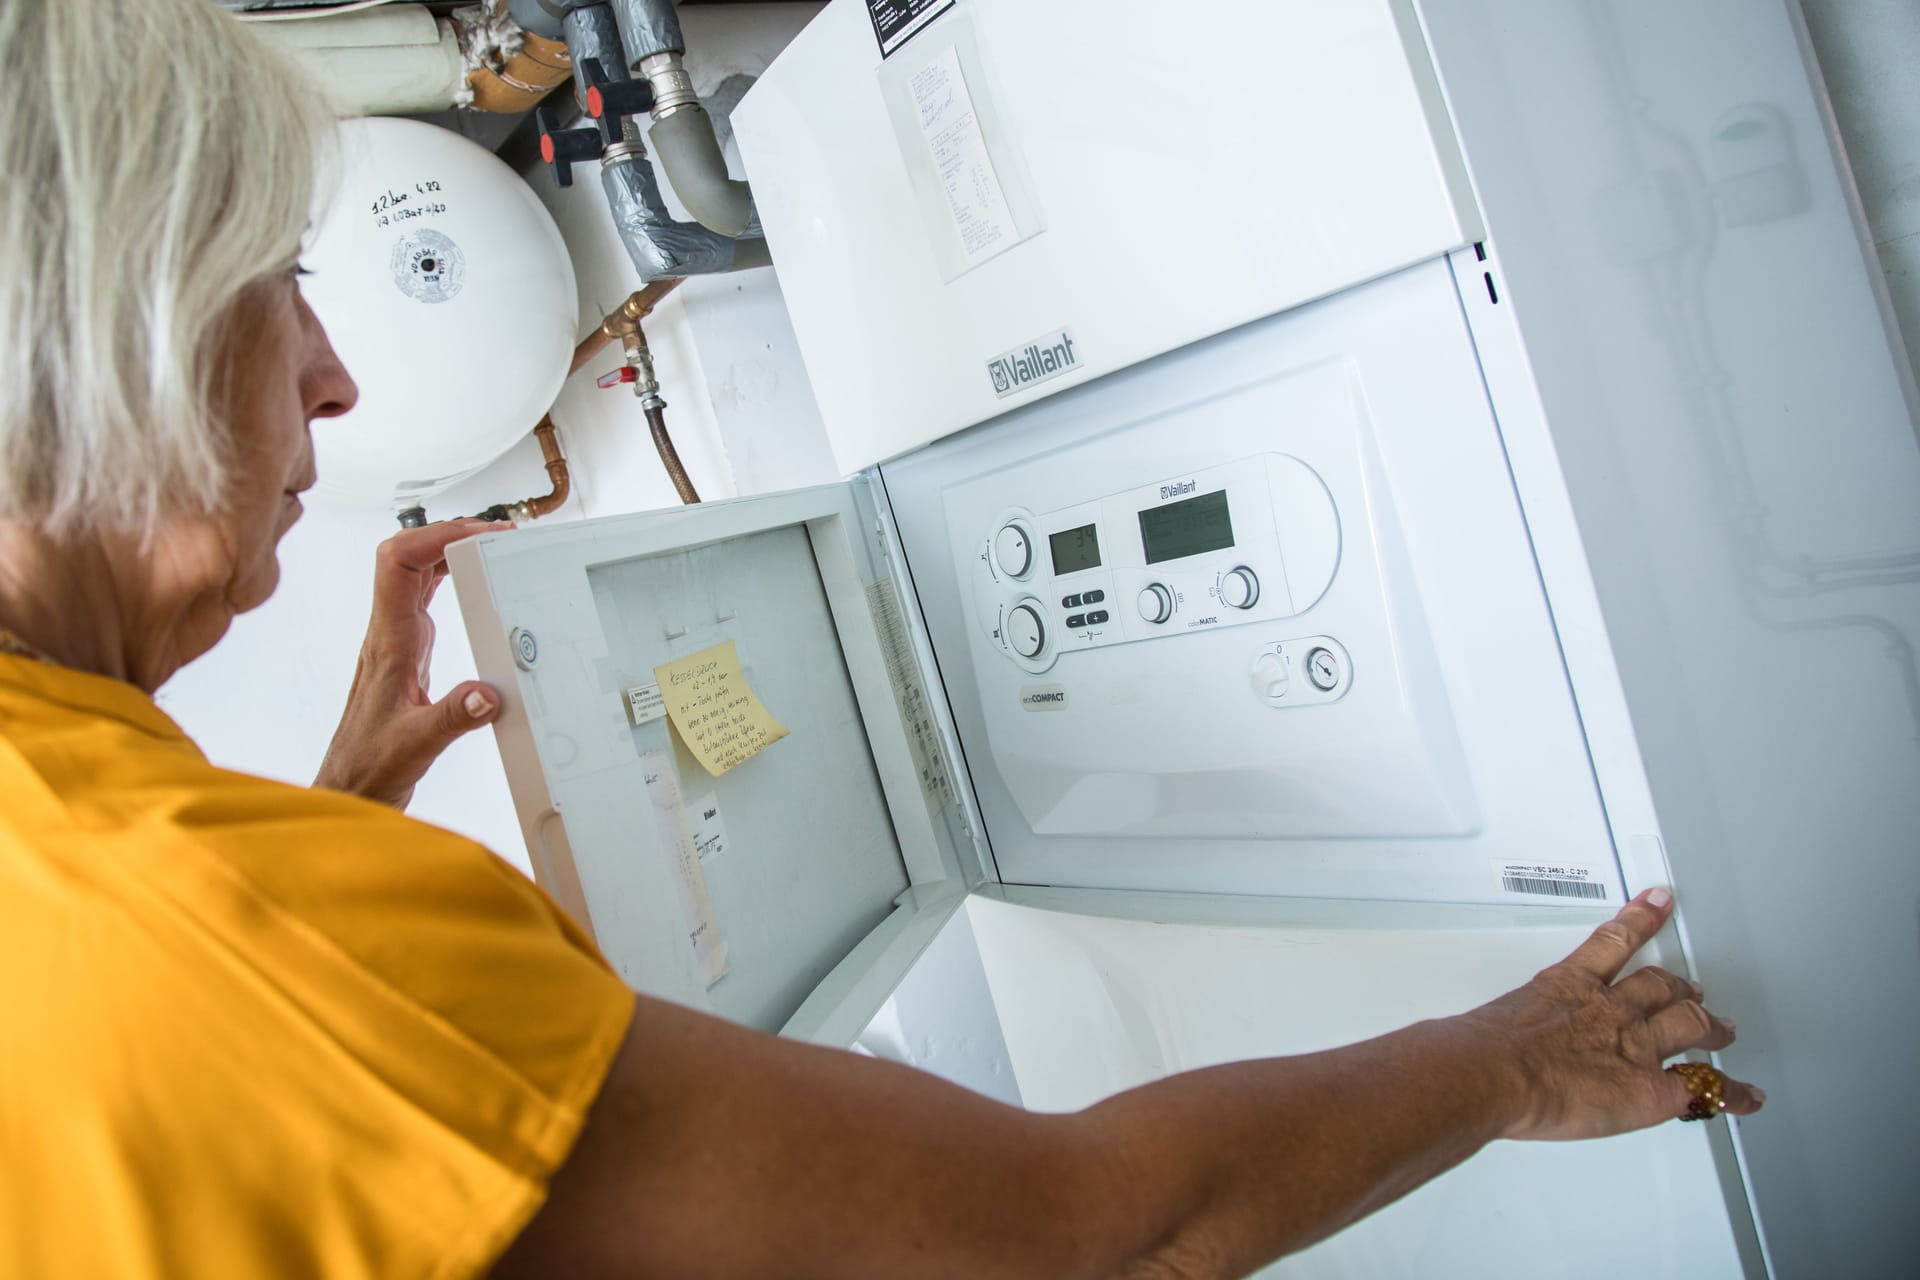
column 339, row 1010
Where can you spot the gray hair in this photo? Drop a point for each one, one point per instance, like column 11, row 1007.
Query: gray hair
column 159, row 159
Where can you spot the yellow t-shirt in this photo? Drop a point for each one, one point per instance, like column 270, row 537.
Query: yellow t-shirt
column 248, row 1029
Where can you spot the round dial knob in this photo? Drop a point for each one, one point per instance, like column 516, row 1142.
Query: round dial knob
column 1156, row 603
column 1270, row 676
column 1025, row 632
column 1239, row 589
column 1323, row 669
column 1013, row 551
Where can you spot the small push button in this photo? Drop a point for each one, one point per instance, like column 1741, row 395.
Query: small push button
column 1097, row 617
column 1093, row 597
column 1076, row 622
column 1070, row 602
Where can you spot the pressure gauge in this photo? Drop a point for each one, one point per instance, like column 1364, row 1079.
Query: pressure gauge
column 1323, row 669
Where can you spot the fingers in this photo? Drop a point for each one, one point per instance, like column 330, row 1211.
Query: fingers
column 1742, row 1099
column 420, row 550
column 1687, row 1025
column 408, row 566
column 469, row 706
column 424, row 672
column 1614, row 943
column 1649, row 990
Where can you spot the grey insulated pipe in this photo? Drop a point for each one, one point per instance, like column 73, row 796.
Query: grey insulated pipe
column 648, row 27
column 682, row 135
column 691, row 158
column 661, row 248
column 592, row 35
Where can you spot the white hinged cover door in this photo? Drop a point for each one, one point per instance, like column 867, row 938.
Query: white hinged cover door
column 742, row 892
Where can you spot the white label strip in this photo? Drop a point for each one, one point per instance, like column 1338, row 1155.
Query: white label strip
column 645, row 704
column 1551, row 880
column 951, row 127
column 709, row 828
column 676, row 836
column 910, row 694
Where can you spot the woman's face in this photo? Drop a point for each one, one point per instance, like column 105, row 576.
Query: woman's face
column 281, row 374
column 275, row 375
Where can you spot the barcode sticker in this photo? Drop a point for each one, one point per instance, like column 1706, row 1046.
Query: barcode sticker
column 1551, row 879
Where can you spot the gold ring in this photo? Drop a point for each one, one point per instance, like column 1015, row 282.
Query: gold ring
column 1708, row 1087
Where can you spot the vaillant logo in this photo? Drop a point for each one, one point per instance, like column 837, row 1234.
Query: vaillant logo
column 1047, row 356
column 1175, row 490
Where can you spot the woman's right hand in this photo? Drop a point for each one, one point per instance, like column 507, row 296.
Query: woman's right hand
column 1589, row 1048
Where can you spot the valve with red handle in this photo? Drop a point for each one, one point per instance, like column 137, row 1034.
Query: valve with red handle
column 625, row 373
column 564, row 148
column 611, row 101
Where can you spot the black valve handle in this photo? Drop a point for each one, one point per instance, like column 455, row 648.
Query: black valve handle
column 563, row 148
column 611, row 101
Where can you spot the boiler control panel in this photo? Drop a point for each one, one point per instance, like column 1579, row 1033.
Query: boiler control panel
column 1252, row 540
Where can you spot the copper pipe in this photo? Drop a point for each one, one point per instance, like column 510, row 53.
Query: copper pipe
column 669, row 456
column 622, row 322
column 522, row 80
column 549, row 503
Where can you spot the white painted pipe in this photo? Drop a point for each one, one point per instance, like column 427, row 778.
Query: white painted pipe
column 394, row 60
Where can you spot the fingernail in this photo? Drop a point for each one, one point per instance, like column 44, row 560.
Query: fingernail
column 1658, row 898
column 1699, row 992
column 478, row 704
column 1759, row 1094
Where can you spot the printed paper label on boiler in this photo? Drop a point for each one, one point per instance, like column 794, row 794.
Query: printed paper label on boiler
column 645, row 704
column 709, row 829
column 897, row 21
column 964, row 167
column 719, row 716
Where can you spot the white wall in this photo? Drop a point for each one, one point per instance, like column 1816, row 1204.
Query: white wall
column 267, row 698
column 1869, row 54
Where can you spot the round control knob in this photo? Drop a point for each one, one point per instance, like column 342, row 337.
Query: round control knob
column 1025, row 632
column 1240, row 589
column 1323, row 669
column 1013, row 551
column 1156, row 603
column 1270, row 676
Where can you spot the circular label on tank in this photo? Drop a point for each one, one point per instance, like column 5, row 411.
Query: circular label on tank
column 428, row 266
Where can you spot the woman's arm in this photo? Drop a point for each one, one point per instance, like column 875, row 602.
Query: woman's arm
column 719, row 1152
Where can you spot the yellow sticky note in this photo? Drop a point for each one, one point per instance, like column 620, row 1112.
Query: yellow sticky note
column 719, row 716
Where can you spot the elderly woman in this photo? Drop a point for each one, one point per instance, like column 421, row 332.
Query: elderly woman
column 257, row 1029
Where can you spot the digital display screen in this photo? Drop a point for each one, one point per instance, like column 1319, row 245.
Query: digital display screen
column 1187, row 527
column 1075, row 549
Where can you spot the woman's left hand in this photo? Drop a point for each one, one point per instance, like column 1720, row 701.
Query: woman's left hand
column 392, row 730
